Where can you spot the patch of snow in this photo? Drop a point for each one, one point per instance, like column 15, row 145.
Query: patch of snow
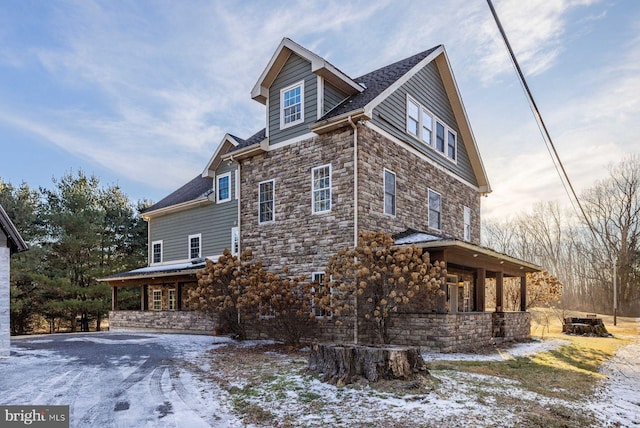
column 517, row 350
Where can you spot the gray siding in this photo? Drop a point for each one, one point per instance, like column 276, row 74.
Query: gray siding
column 427, row 88
column 214, row 221
column 293, row 71
column 332, row 97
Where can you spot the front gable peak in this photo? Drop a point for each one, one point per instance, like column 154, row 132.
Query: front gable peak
column 319, row 66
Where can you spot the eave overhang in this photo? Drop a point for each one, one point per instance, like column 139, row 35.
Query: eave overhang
column 204, row 200
column 225, row 145
column 319, row 66
column 16, row 243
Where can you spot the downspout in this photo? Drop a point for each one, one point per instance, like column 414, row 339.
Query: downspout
column 239, row 216
column 355, row 221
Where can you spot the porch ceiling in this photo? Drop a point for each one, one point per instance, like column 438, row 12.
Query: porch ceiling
column 474, row 256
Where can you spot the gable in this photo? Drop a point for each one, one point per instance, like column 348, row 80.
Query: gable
column 426, row 88
column 12, row 238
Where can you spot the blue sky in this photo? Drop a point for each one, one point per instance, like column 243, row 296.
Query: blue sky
column 140, row 93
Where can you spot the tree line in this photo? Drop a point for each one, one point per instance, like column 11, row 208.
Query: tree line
column 77, row 230
column 584, row 251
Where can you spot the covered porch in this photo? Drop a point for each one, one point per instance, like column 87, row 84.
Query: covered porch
column 162, row 303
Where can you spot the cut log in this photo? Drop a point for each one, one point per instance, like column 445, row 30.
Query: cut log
column 341, row 364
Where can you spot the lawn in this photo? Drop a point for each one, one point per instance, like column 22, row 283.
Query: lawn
column 268, row 385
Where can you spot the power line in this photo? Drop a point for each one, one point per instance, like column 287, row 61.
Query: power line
column 551, row 148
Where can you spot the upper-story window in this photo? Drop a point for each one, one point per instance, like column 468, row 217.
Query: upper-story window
column 195, row 246
column 389, row 192
column 421, row 123
column 467, row 223
column 292, row 105
column 223, row 191
column 321, row 189
column 435, row 210
column 266, row 201
column 156, row 252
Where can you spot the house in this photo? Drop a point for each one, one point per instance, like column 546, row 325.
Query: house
column 391, row 150
column 10, row 242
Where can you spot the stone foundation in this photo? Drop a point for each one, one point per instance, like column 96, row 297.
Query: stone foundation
column 442, row 332
column 191, row 322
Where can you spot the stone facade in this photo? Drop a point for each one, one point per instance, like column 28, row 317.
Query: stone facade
column 512, row 326
column 442, row 332
column 414, row 177
column 5, row 317
column 192, row 322
column 297, row 238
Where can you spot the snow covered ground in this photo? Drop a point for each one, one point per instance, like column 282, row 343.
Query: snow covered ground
column 137, row 380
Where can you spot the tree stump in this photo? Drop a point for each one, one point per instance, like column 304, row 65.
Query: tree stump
column 345, row 363
column 585, row 327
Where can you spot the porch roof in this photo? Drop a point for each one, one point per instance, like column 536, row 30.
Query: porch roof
column 159, row 271
column 466, row 254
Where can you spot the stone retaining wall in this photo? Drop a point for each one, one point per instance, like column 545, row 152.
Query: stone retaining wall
column 161, row 321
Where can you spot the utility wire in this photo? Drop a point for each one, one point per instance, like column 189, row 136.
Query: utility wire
column 551, row 148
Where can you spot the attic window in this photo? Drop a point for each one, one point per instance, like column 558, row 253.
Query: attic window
column 292, row 105
column 430, row 130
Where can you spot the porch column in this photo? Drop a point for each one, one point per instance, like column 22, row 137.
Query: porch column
column 481, row 276
column 144, row 298
column 114, row 298
column 523, row 293
column 499, row 292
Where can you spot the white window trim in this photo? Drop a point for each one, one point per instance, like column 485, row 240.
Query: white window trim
column 218, row 178
column 434, row 125
column 313, row 190
column 153, row 244
column 466, row 218
column 384, row 192
column 282, row 92
column 313, row 291
column 429, row 209
column 175, row 300
column 154, row 300
column 199, row 236
column 273, row 202
column 234, row 231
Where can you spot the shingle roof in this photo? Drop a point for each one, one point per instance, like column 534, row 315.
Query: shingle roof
column 197, row 188
column 254, row 139
column 376, row 82
column 16, row 243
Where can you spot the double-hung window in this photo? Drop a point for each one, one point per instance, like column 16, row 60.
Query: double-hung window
column 172, row 299
column 157, row 300
column 266, row 201
column 467, row 223
column 389, row 192
column 292, row 105
column 156, row 249
column 413, row 117
column 317, row 291
column 435, row 210
column 223, row 191
column 321, row 189
column 235, row 241
column 195, row 246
